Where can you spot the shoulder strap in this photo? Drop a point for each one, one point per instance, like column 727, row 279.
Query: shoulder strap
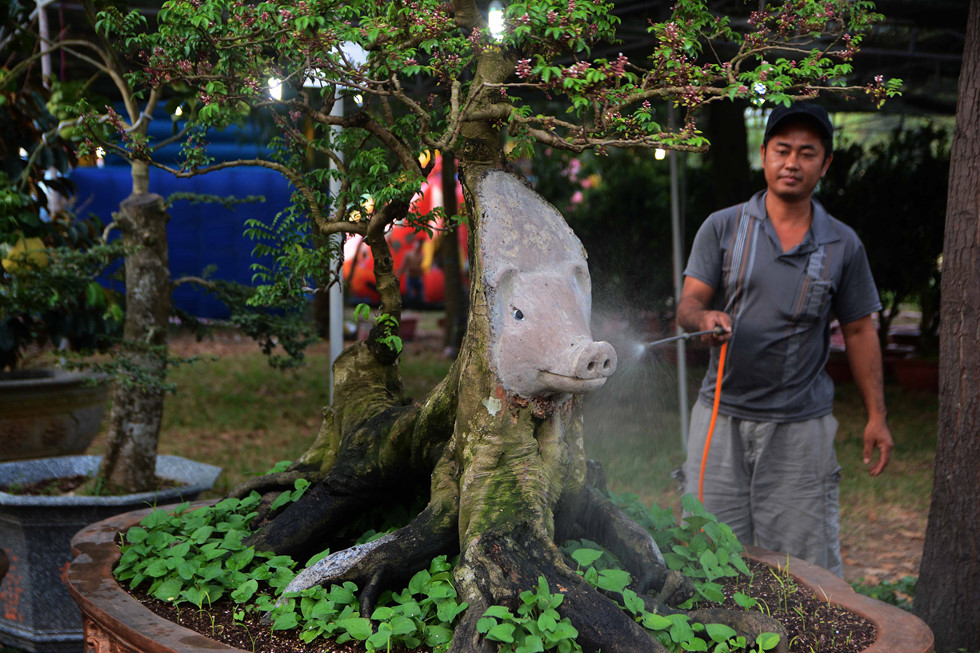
column 741, row 255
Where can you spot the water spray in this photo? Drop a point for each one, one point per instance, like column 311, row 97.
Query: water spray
column 718, row 331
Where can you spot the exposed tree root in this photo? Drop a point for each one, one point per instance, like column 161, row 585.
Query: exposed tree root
column 371, row 447
column 388, row 561
column 496, row 567
column 598, row 519
column 746, row 623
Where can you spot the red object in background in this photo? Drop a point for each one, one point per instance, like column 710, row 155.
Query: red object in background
column 359, row 263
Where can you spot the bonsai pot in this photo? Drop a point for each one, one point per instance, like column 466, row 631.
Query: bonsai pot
column 898, row 630
column 48, row 412
column 36, row 611
column 115, row 621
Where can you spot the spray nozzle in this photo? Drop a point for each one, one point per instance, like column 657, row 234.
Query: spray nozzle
column 718, row 331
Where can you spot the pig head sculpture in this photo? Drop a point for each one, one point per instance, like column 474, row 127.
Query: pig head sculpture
column 539, row 294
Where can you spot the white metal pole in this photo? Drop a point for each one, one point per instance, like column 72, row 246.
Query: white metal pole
column 356, row 55
column 678, row 254
column 42, row 26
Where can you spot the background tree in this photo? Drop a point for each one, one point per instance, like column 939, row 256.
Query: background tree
column 89, row 120
column 504, row 466
column 616, row 204
column 949, row 581
column 892, row 193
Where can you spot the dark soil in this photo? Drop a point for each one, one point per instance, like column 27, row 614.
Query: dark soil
column 813, row 626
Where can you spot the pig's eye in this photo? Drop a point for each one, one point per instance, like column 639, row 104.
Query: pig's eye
column 518, row 315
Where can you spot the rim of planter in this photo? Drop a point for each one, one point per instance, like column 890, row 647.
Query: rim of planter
column 898, row 630
column 194, row 477
column 107, row 607
column 51, row 376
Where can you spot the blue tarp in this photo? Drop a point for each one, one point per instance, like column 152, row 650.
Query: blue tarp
column 198, row 235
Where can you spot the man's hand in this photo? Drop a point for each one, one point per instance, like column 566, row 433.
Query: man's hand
column 721, row 326
column 693, row 314
column 864, row 356
column 877, row 436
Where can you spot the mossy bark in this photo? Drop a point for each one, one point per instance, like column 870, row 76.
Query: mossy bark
column 129, row 463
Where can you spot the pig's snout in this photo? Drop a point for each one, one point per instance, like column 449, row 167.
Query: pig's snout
column 583, row 367
column 594, row 360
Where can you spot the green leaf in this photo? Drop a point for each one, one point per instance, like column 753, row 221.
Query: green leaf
column 586, row 557
column 357, row 627
column 744, row 601
column 94, row 295
column 285, row 621
column 402, row 626
column 502, row 633
column 341, row 595
column 548, row 620
column 168, row 590
column 245, row 591
column 719, row 632
column 437, row 635
column 694, row 644
column 157, row 569
column 418, row 582
column 135, row 535
column 767, row 641
column 498, row 611
column 613, row 580
column 653, row 621
column 532, row 644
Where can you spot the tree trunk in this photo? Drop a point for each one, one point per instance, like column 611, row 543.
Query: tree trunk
column 949, row 583
column 129, row 462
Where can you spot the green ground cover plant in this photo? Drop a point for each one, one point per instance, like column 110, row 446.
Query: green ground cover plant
column 195, row 558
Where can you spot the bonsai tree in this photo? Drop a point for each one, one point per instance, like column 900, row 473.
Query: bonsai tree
column 129, row 462
column 503, row 461
column 87, row 122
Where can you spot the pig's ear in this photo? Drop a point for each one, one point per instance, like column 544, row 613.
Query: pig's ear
column 579, row 274
column 503, row 278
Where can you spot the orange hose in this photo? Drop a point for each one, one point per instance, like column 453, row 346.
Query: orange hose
column 714, row 417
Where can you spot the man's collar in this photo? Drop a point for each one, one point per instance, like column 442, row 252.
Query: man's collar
column 822, row 226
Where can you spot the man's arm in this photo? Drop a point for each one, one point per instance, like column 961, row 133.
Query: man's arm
column 693, row 313
column 864, row 357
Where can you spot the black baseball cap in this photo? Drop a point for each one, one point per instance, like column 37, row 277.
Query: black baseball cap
column 812, row 113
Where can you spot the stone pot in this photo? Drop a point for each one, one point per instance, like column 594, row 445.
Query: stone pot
column 115, row 621
column 36, row 611
column 48, row 412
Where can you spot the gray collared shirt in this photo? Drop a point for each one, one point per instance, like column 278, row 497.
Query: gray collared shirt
column 782, row 305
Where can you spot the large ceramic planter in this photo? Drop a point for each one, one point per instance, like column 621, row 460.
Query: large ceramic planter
column 46, row 413
column 898, row 631
column 116, row 622
column 36, row 611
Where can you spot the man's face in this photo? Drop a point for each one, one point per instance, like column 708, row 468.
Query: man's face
column 794, row 161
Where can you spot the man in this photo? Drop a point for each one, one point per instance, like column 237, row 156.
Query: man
column 772, row 273
column 412, row 266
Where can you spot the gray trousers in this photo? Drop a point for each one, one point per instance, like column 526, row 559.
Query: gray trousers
column 776, row 485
